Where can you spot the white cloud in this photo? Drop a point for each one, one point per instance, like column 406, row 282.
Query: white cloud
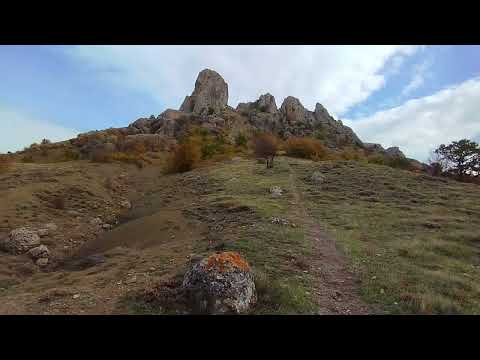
column 336, row 76
column 420, row 74
column 20, row 130
column 420, row 125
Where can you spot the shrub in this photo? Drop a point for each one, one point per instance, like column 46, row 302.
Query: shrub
column 241, row 140
column 398, row 162
column 70, row 154
column 27, row 158
column 5, row 163
column 394, row 161
column 183, row 158
column 320, row 134
column 101, row 156
column 58, row 202
column 265, row 146
column 306, row 148
column 350, row 153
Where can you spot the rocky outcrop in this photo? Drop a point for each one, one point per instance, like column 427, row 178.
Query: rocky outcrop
column 210, row 95
column 220, row 284
column 207, row 108
column 20, row 241
column 394, row 151
column 373, row 147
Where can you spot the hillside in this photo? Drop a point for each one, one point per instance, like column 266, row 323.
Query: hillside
column 369, row 239
column 113, row 232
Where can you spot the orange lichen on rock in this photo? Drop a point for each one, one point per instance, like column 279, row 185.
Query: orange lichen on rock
column 226, row 260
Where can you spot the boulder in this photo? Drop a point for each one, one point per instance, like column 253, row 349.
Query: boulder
column 317, row 177
column 39, row 252
column 209, row 96
column 20, row 241
column 276, row 191
column 220, row 284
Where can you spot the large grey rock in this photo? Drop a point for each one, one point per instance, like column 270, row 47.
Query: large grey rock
column 20, row 241
column 220, row 284
column 209, row 96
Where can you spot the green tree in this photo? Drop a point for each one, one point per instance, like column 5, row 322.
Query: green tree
column 461, row 158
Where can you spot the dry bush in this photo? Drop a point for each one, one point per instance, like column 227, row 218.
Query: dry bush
column 101, row 156
column 183, row 158
column 135, row 159
column 265, row 146
column 58, row 202
column 350, row 153
column 306, row 148
column 70, row 154
column 5, row 163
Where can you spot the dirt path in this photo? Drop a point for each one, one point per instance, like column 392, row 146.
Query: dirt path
column 336, row 287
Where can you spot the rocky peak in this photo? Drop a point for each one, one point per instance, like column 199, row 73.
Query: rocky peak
column 293, row 110
column 267, row 103
column 321, row 114
column 209, row 96
column 394, row 151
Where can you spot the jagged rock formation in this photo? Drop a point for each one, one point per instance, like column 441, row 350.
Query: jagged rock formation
column 207, row 107
column 393, row 151
column 210, row 95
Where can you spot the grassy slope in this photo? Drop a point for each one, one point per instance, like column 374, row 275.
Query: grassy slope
column 275, row 251
column 413, row 238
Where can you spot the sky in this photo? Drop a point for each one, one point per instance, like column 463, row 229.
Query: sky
column 413, row 97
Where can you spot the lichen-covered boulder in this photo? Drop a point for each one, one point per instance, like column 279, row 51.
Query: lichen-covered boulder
column 220, row 284
column 39, row 252
column 20, row 241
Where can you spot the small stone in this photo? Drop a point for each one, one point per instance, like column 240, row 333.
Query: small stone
column 76, row 296
column 125, row 204
column 106, row 226
column 276, row 191
column 382, row 291
column 42, row 262
column 51, row 227
column 152, row 269
column 96, row 222
column 42, row 232
column 131, row 280
column 374, row 277
column 317, row 177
